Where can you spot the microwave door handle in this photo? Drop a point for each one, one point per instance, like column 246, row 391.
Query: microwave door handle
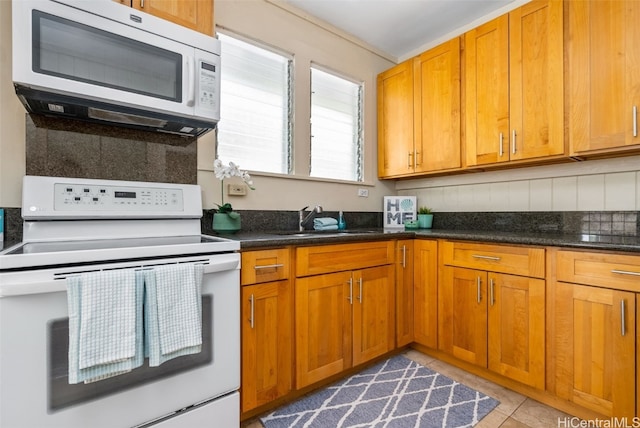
column 191, row 86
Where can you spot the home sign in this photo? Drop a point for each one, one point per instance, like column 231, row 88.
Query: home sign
column 398, row 210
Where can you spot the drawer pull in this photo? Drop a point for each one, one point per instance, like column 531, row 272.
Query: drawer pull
column 279, row 265
column 404, row 256
column 625, row 272
column 623, row 324
column 251, row 300
column 350, row 298
column 477, row 256
column 479, row 283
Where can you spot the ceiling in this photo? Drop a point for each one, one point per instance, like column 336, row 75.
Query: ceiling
column 399, row 28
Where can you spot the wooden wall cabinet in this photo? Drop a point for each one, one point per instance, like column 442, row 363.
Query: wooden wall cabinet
column 267, row 329
column 344, row 307
column 491, row 308
column 395, row 121
column 594, row 337
column 514, row 105
column 425, row 304
column 194, row 14
column 604, row 87
column 437, row 108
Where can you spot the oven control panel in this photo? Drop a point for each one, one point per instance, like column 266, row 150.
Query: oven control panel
column 72, row 198
column 115, row 198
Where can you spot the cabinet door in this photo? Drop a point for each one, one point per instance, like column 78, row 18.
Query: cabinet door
column 395, row 121
column 536, row 80
column 486, row 56
column 194, row 14
column 373, row 313
column 516, row 328
column 604, row 54
column 323, row 326
column 437, row 108
column 462, row 311
column 266, row 343
column 404, row 292
column 596, row 348
column 426, row 293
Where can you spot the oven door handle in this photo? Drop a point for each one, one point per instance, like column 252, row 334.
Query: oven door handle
column 57, row 285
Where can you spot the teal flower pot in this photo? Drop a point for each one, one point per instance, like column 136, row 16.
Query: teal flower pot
column 226, row 222
column 425, row 221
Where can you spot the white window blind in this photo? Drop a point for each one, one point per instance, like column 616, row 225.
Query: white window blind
column 336, row 127
column 254, row 129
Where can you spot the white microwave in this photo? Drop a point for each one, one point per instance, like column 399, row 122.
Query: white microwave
column 101, row 61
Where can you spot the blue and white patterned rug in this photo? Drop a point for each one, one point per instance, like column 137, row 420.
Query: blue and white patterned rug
column 396, row 393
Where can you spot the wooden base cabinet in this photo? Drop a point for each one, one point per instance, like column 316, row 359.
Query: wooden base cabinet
column 266, row 326
column 595, row 328
column 404, row 292
column 266, row 343
column 342, row 319
column 425, row 283
column 491, row 308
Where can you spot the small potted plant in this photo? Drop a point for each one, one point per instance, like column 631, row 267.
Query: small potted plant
column 225, row 219
column 425, row 218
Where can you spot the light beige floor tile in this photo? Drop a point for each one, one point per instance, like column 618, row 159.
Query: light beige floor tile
column 492, row 420
column 509, row 400
column 418, row 357
column 536, row 415
column 512, row 423
column 252, row 423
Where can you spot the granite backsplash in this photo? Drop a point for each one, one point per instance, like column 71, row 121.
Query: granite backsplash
column 617, row 223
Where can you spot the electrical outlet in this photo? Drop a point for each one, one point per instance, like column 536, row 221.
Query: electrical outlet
column 237, row 190
column 363, row 193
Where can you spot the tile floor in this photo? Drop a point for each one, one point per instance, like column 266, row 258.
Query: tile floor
column 514, row 411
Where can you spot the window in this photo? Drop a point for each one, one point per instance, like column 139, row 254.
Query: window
column 255, row 126
column 336, row 127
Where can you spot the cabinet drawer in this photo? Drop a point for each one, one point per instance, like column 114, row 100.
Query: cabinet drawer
column 265, row 266
column 600, row 269
column 341, row 257
column 495, row 258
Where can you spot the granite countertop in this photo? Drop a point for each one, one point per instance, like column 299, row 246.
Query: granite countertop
column 255, row 240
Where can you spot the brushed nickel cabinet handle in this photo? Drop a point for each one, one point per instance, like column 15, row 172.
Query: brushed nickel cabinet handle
column 477, row 256
column 478, row 283
column 513, row 142
column 501, row 149
column 409, row 155
column 360, row 296
column 252, row 300
column 350, row 298
column 278, row 265
column 415, row 160
column 404, row 256
column 625, row 272
column 492, row 296
column 623, row 324
column 635, row 121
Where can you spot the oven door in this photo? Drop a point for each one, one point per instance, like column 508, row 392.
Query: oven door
column 33, row 341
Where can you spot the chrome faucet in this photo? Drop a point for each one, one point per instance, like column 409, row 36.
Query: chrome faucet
column 303, row 219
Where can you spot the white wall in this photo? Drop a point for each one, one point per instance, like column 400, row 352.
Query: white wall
column 307, row 42
column 594, row 185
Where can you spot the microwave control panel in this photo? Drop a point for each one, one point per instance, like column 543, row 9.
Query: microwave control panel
column 208, row 86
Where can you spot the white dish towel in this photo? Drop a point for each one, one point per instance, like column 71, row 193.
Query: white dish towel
column 105, row 324
column 173, row 312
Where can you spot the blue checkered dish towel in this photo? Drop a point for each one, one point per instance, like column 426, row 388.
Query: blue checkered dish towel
column 105, row 324
column 173, row 319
